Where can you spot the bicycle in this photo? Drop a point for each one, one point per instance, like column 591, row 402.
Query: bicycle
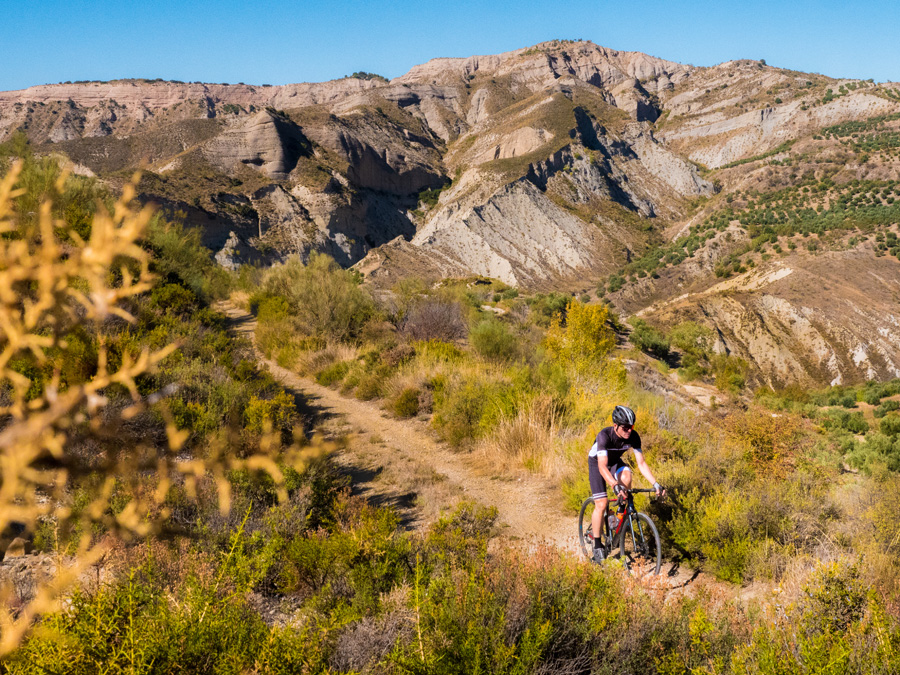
column 634, row 535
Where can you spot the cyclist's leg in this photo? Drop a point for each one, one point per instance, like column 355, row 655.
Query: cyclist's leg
column 598, row 492
column 623, row 476
column 597, row 518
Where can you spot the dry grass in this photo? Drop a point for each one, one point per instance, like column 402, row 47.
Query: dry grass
column 310, row 362
column 530, row 439
column 413, row 378
column 240, row 299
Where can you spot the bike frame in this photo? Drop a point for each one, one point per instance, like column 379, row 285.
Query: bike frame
column 640, row 537
column 629, row 516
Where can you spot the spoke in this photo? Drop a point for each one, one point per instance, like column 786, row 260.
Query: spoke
column 643, row 539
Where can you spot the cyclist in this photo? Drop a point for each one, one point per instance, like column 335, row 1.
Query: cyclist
column 606, row 467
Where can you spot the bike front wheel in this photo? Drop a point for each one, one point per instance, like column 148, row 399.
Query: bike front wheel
column 639, row 547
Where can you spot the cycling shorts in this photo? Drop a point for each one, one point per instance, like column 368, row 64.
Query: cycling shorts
column 598, row 483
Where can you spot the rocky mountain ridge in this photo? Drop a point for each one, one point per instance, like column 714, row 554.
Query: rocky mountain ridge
column 562, row 165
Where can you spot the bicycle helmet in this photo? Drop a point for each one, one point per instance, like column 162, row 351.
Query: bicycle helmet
column 623, row 416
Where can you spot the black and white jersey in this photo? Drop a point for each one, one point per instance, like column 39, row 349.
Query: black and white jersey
column 610, row 445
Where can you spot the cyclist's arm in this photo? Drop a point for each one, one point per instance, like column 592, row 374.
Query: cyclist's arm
column 603, row 464
column 643, row 468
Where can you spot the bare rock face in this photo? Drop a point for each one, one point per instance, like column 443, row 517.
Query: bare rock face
column 387, row 171
column 790, row 335
column 518, row 236
column 267, row 141
column 665, row 165
column 18, row 548
column 139, row 98
column 347, row 225
column 386, row 265
column 286, row 227
column 520, row 142
column 631, row 97
column 715, row 127
column 228, row 257
column 380, row 154
column 66, row 129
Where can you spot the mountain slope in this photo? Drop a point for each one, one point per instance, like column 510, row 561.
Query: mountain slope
column 681, row 192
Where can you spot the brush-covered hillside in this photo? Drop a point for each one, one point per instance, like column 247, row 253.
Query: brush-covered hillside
column 754, row 200
column 164, row 510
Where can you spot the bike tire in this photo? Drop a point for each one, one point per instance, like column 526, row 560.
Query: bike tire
column 584, row 528
column 639, row 547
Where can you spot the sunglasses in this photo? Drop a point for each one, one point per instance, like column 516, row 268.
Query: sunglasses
column 626, row 427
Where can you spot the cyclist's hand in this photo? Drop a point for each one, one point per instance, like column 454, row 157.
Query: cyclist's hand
column 660, row 490
column 620, row 492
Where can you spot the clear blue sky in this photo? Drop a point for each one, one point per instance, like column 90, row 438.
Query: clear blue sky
column 282, row 41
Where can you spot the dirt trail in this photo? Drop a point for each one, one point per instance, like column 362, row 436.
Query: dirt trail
column 400, row 463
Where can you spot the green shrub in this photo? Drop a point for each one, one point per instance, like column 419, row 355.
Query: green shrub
column 370, row 386
column 333, row 374
column 873, row 396
column 890, row 425
column 848, row 400
column 691, row 337
column 173, row 299
column 349, row 567
column 326, row 300
column 278, row 412
column 194, row 416
column 162, row 636
column 179, row 252
column 833, row 599
column 437, row 350
column 270, row 308
column 885, row 408
column 493, row 340
column 730, row 372
column 836, row 626
column 430, row 197
column 407, row 403
column 648, row 339
column 276, row 340
column 545, row 307
column 853, row 422
column 583, row 341
column 459, row 410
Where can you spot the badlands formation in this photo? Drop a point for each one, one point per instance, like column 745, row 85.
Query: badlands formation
column 561, row 166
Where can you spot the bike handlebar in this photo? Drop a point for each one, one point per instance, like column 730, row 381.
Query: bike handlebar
column 632, row 491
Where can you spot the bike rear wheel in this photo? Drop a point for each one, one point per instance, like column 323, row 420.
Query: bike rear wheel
column 585, row 534
column 639, row 547
column 585, row 529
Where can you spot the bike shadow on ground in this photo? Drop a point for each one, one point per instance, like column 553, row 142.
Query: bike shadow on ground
column 312, row 414
column 675, row 570
column 361, row 485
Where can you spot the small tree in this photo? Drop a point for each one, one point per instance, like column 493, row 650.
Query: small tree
column 434, row 319
column 582, row 338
